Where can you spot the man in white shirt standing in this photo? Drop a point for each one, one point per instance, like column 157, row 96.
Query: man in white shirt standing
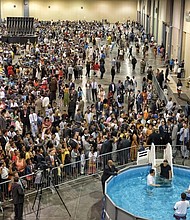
column 181, row 208
column 33, row 123
column 151, row 178
column 169, row 105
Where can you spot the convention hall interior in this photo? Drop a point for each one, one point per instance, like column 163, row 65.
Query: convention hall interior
column 94, row 94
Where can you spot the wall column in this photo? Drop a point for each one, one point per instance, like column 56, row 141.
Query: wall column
column 26, row 8
column 152, row 16
column 170, row 28
column 0, row 12
column 157, row 16
column 180, row 43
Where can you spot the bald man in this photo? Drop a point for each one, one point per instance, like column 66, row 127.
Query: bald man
column 109, row 170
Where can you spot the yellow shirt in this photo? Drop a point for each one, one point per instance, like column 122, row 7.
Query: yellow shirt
column 66, row 151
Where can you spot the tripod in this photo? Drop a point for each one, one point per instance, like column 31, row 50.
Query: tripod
column 41, row 177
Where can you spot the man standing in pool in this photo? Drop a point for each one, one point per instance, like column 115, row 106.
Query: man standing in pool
column 151, row 178
column 166, row 172
column 181, row 208
column 109, row 170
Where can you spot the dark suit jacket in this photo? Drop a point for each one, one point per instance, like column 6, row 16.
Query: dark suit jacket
column 99, row 108
column 125, row 143
column 111, row 89
column 3, row 142
column 25, row 120
column 154, row 138
column 109, row 171
column 3, row 123
column 39, row 159
column 57, row 161
column 17, row 193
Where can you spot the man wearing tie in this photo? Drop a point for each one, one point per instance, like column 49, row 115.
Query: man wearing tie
column 112, row 88
column 99, row 109
column 94, row 90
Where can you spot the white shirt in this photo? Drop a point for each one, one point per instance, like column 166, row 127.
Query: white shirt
column 5, row 173
column 18, row 126
column 45, row 102
column 2, row 94
column 181, row 207
column 94, row 85
column 150, row 180
column 33, row 118
column 169, row 105
column 13, row 105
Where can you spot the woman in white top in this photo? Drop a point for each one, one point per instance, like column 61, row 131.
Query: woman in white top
column 176, row 66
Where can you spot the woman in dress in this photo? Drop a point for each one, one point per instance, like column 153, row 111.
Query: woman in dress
column 176, row 66
column 88, row 91
column 92, row 161
column 134, row 145
column 66, row 95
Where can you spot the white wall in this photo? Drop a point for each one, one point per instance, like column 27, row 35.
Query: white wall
column 8, row 9
column 186, row 46
column 113, row 10
column 176, row 27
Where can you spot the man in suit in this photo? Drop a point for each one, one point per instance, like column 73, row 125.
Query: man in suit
column 99, row 109
column 24, row 116
column 3, row 122
column 106, row 149
column 163, row 130
column 109, row 170
column 18, row 199
column 112, row 88
column 39, row 157
column 123, row 154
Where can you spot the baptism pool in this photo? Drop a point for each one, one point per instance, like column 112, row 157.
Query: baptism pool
column 128, row 191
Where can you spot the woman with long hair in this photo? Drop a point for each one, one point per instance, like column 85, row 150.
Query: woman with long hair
column 134, row 145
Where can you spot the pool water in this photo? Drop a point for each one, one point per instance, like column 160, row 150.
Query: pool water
column 128, row 190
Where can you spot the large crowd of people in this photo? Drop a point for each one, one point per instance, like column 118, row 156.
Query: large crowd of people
column 48, row 116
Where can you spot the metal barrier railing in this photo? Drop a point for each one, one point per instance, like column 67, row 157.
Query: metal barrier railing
column 69, row 172
column 65, row 173
column 159, row 90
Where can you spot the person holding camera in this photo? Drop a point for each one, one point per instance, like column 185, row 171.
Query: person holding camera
column 18, row 198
